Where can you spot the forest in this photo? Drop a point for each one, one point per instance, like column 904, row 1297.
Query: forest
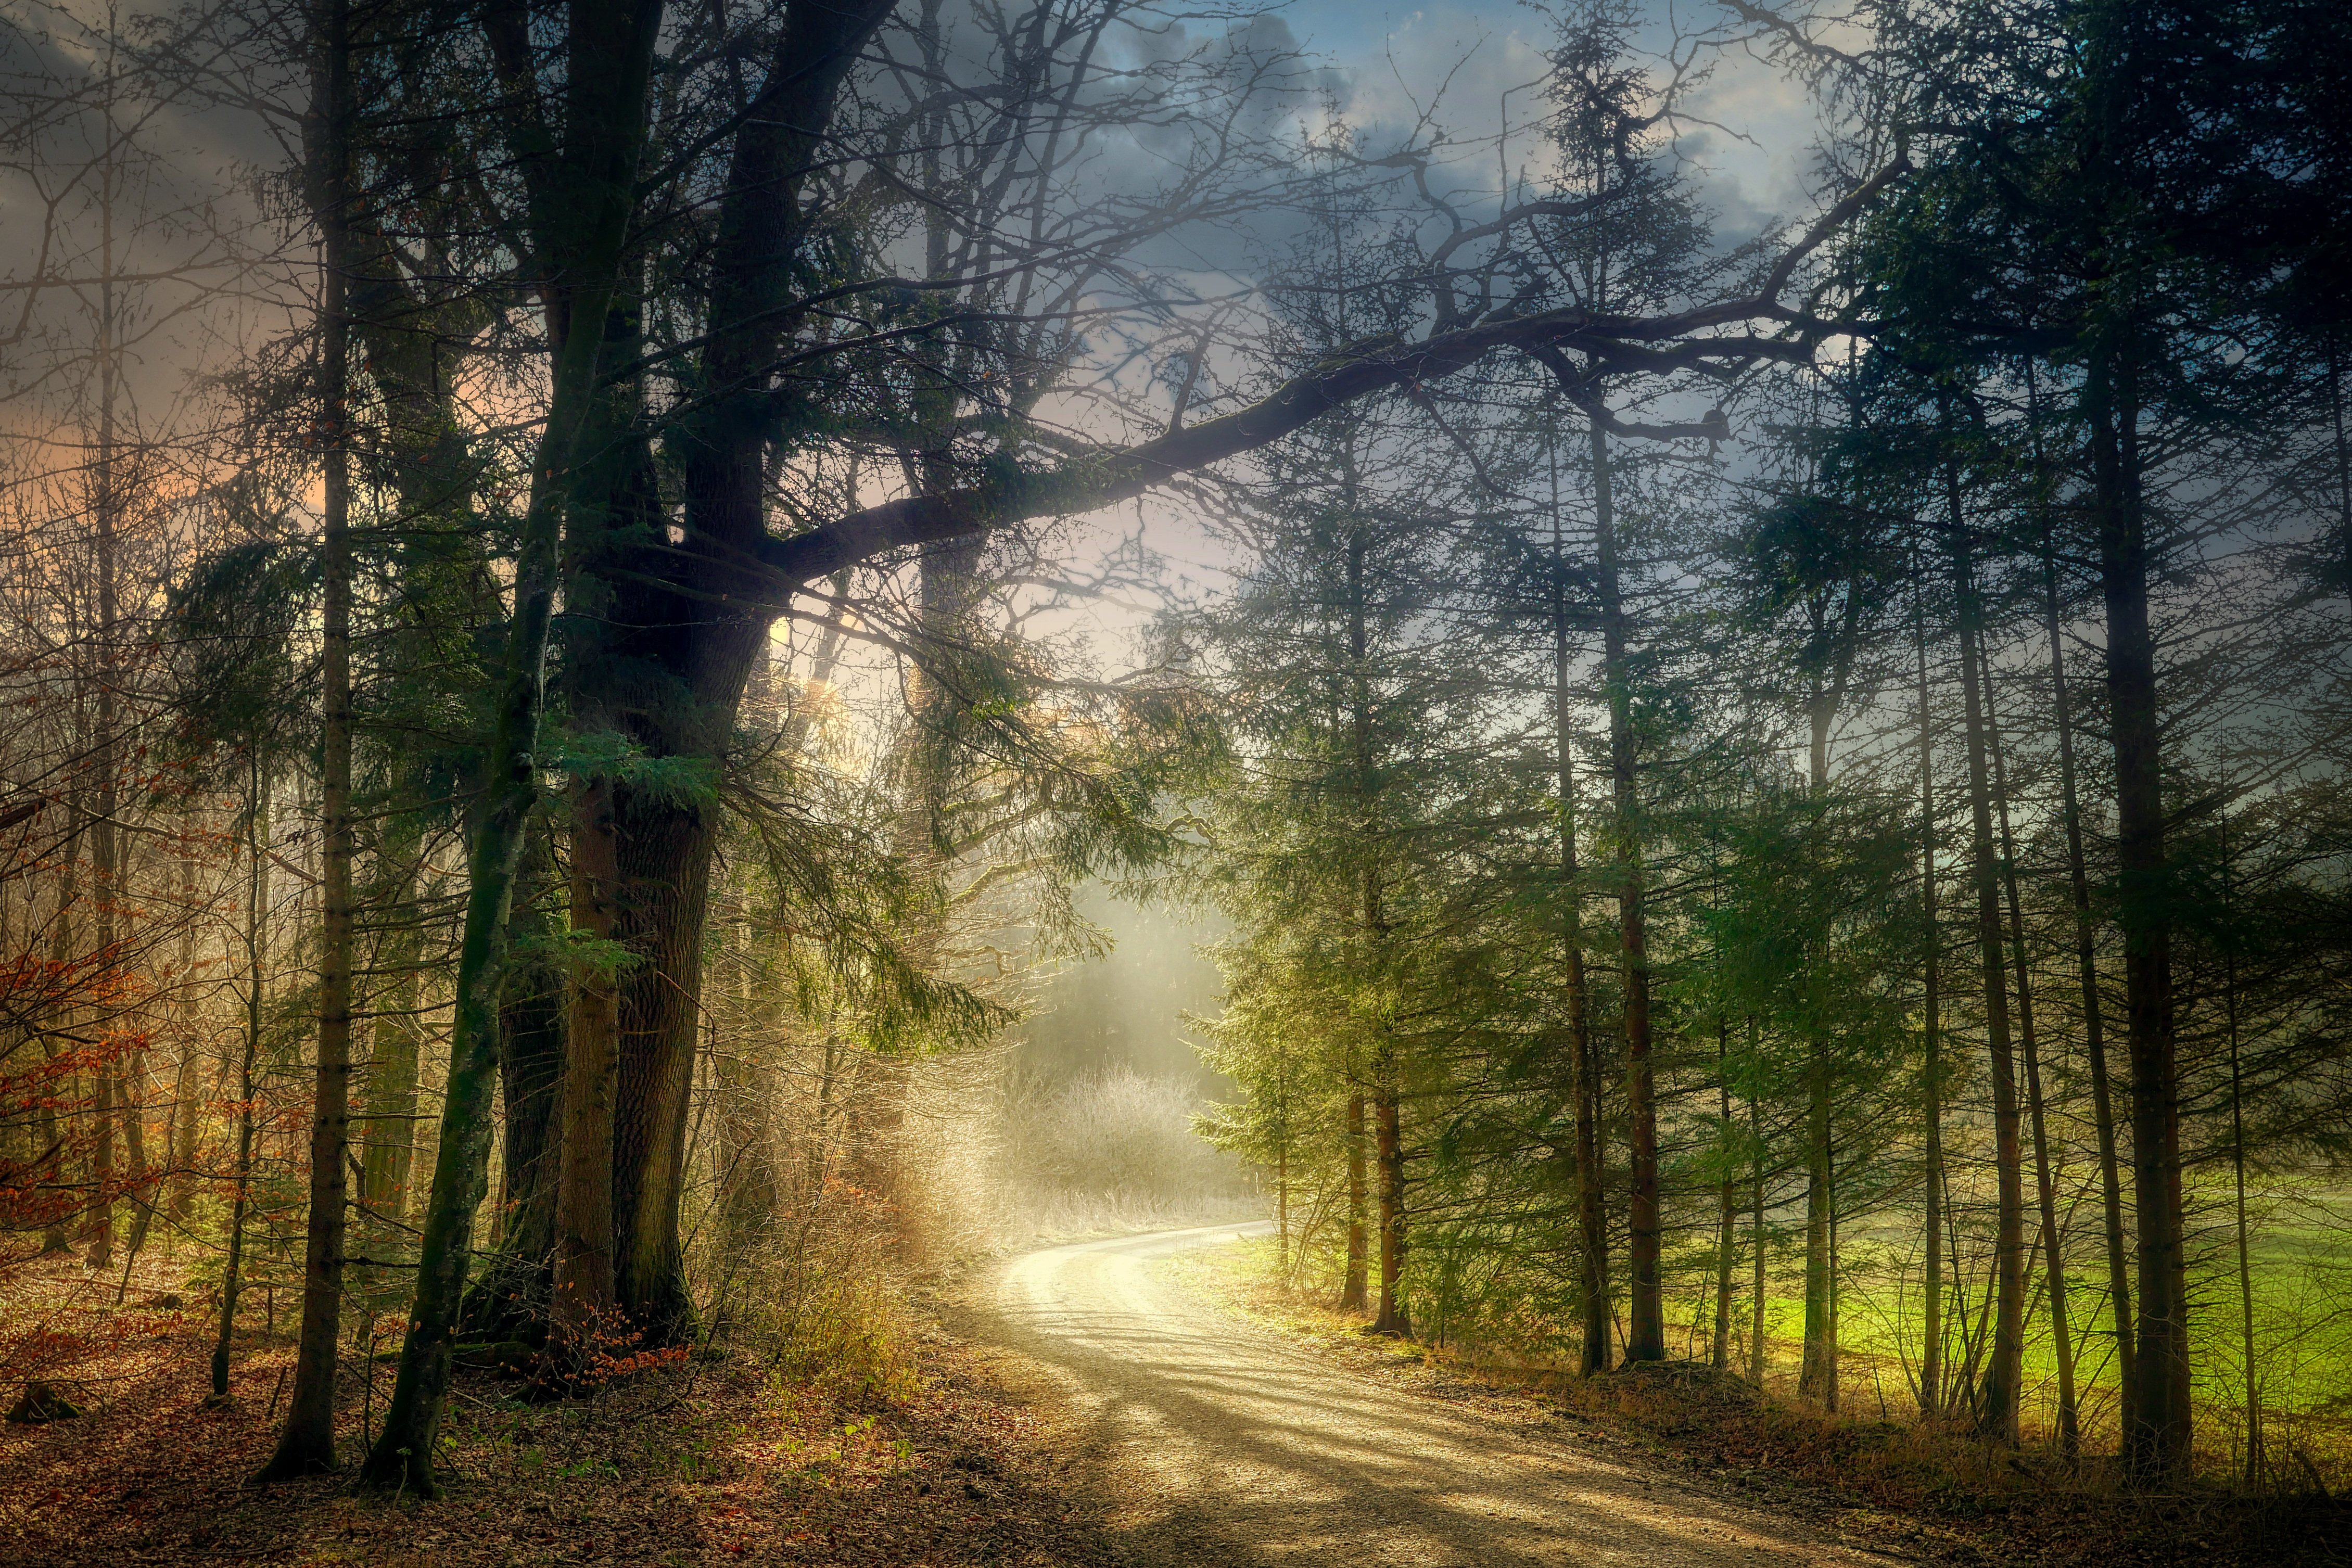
column 1730, row 623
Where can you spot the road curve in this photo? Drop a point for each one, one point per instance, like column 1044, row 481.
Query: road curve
column 1214, row 1441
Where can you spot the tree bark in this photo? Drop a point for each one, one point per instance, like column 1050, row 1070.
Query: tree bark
column 2094, row 1022
column 1646, row 1333
column 1997, row 1404
column 1756, row 1238
column 610, row 61
column 1591, row 1198
column 2070, row 1431
column 2157, row 1448
column 510, row 1298
column 1354, row 1293
column 1817, row 1376
column 2250, row 1471
column 1726, row 1250
column 306, row 1445
column 583, row 1296
column 1931, row 1359
column 185, row 1097
column 1389, row 1138
column 257, row 937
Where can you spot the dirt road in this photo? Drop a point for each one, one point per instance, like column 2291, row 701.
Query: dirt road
column 1214, row 1441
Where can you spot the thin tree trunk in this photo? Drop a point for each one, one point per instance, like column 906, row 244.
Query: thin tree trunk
column 1727, row 1246
column 2094, row 1022
column 1756, row 1357
column 2252, row 1473
column 256, row 935
column 1645, row 1334
column 510, row 1298
column 2070, row 1431
column 1355, row 1295
column 1931, row 1359
column 1390, row 1142
column 1996, row 1407
column 185, row 1093
column 584, row 1291
column 307, row 1443
column 1818, row 1377
column 103, row 844
column 56, row 1133
column 1592, row 1200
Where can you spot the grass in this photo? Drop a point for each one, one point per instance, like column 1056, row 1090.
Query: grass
column 1914, row 1488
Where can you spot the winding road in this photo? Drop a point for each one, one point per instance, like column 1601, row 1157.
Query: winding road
column 1214, row 1441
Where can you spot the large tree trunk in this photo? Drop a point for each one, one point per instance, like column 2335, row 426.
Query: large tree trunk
column 584, row 1285
column 610, row 64
column 511, row 1298
column 2157, row 1448
column 703, row 644
column 1646, row 1333
column 1997, row 1406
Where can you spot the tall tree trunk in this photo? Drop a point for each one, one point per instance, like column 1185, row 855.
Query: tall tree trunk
column 583, row 1288
column 186, row 1095
column 2157, row 1448
column 105, row 871
column 1996, row 1403
column 2251, row 1473
column 2054, row 1260
column 56, row 1131
column 1817, row 1377
column 1756, row 1235
column 510, row 1298
column 1355, row 1296
column 1646, row 1333
column 610, row 64
column 307, row 1443
column 1592, row 1199
column 257, row 937
column 692, row 621
column 1931, row 1358
column 1727, row 1247
column 2094, row 1021
column 1389, row 1140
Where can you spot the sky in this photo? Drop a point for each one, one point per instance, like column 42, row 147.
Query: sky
column 1473, row 67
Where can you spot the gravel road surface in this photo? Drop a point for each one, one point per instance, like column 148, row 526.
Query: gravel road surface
column 1214, row 1441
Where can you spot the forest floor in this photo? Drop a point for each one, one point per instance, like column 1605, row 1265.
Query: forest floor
column 724, row 1460
column 1106, row 1404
